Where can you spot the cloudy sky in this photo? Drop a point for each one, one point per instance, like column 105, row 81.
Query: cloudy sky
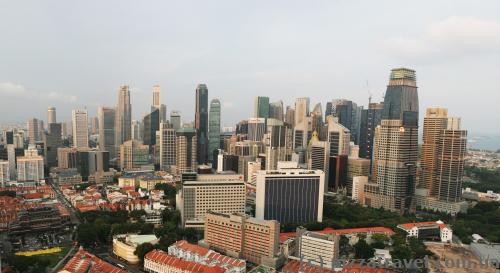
column 73, row 55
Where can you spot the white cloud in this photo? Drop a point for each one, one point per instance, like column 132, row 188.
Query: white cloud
column 455, row 37
column 14, row 90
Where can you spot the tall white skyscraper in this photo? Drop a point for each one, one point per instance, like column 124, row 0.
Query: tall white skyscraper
column 80, row 128
column 156, row 96
column 301, row 109
column 51, row 115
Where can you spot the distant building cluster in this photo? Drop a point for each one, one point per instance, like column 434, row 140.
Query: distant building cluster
column 237, row 185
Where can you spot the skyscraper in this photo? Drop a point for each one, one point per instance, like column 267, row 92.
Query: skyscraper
column 397, row 143
column 51, row 115
column 261, row 107
column 175, row 119
column 201, row 123
column 52, row 141
column 151, row 124
column 435, row 122
column 106, row 117
column 256, row 129
column 156, row 96
column 185, row 154
column 123, row 120
column 34, row 131
column 80, row 128
column 290, row 116
column 301, row 110
column 370, row 119
column 276, row 110
column 451, row 160
column 214, row 128
column 162, row 108
column 338, row 137
column 167, row 146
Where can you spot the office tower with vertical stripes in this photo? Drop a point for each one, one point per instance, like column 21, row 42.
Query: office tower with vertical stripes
column 80, row 128
column 123, row 118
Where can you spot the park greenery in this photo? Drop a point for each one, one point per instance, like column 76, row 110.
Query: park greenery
column 36, row 263
column 487, row 179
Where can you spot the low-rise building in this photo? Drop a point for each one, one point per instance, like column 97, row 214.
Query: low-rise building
column 124, row 245
column 157, row 261
column 320, row 249
column 194, row 253
column 428, row 230
column 83, row 261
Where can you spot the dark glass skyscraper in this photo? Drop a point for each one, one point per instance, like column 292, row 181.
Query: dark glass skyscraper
column 151, row 125
column 370, row 119
column 201, row 123
column 261, row 107
column 401, row 97
column 214, row 127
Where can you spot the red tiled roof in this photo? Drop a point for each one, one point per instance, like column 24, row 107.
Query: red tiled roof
column 294, row 266
column 183, row 244
column 35, row 195
column 83, row 262
column 408, row 226
column 285, row 235
column 163, row 258
column 364, row 269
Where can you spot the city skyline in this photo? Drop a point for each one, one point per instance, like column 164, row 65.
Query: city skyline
column 272, row 57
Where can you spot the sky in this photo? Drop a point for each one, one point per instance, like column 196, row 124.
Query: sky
column 76, row 54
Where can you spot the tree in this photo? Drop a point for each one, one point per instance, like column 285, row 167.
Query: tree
column 137, row 214
column 87, row 235
column 169, row 190
column 344, row 245
column 401, row 252
column 8, row 193
column 142, row 249
column 362, row 250
column 379, row 240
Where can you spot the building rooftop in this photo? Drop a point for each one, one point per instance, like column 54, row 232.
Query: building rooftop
column 163, row 258
column 408, row 226
column 286, row 235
